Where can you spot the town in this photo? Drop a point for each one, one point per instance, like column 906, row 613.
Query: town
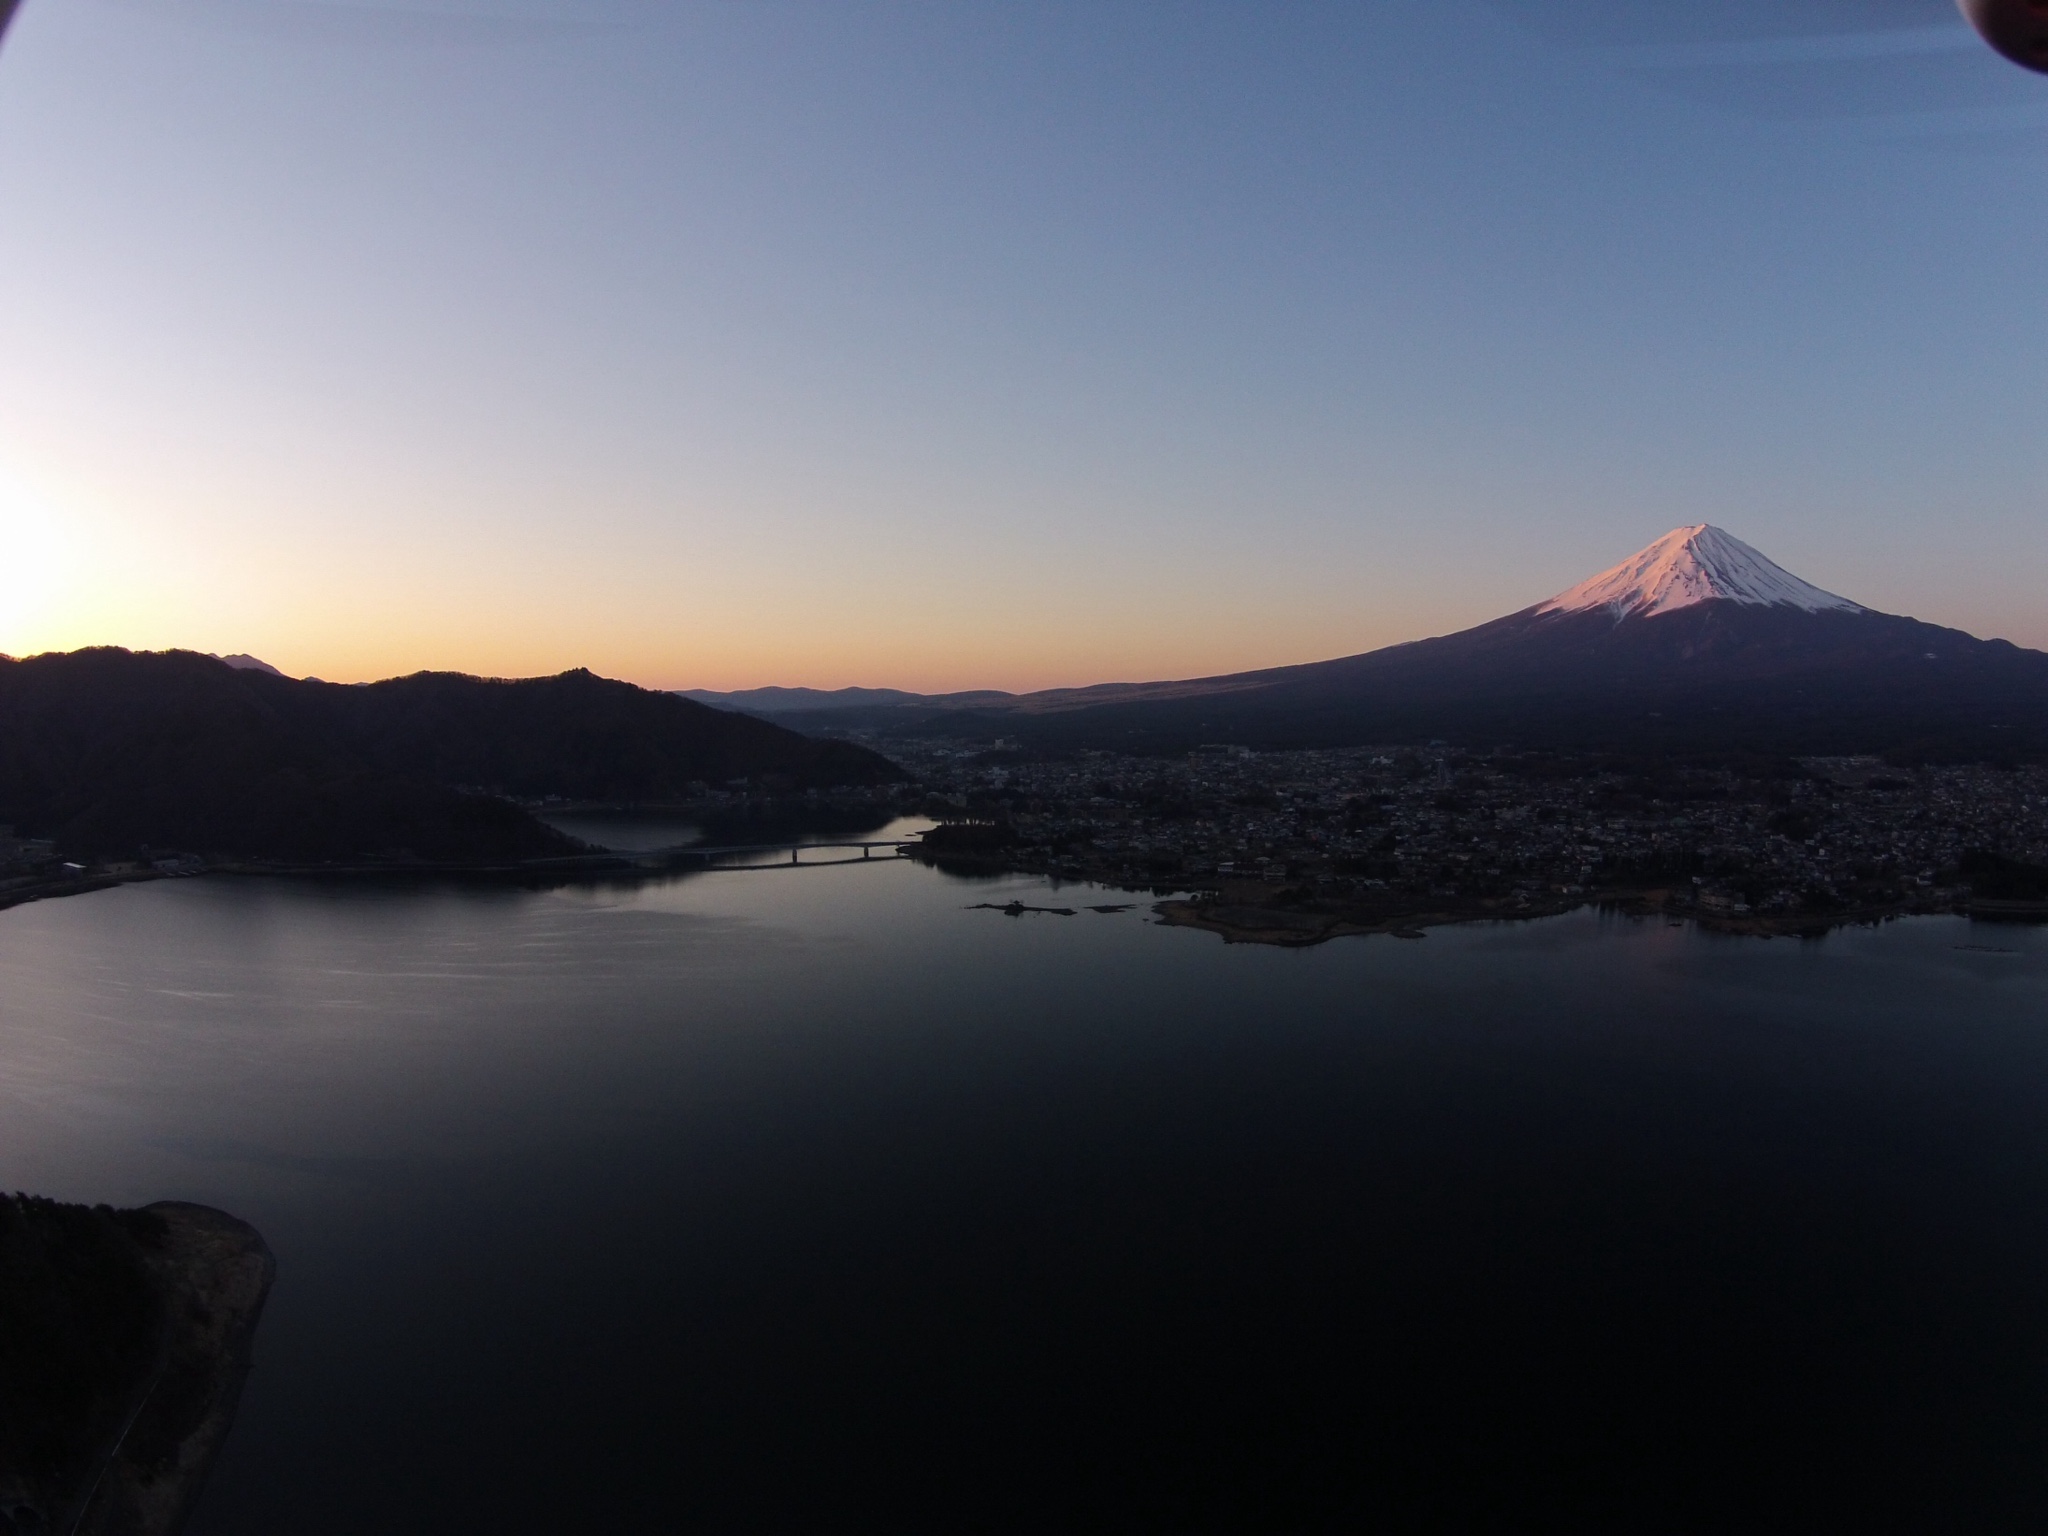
column 1294, row 846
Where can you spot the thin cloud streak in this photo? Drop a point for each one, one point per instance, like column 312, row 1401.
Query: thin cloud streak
column 373, row 25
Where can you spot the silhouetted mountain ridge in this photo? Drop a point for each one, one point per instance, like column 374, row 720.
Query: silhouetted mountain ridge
column 107, row 750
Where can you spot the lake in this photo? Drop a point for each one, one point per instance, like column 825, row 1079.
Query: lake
column 819, row 1200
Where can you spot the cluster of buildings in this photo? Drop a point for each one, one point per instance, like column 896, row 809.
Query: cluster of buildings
column 1435, row 827
column 22, row 855
column 32, row 861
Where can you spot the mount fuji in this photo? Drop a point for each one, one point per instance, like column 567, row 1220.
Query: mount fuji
column 1700, row 564
column 1696, row 644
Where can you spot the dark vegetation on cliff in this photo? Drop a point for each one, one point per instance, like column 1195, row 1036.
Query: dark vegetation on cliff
column 125, row 1337
column 108, row 750
column 80, row 1320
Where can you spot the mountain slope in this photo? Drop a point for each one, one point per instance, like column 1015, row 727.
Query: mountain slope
column 107, row 750
column 1697, row 643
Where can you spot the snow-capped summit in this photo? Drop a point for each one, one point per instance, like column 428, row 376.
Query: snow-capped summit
column 1694, row 565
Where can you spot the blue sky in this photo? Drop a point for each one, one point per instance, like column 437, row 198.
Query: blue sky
column 942, row 345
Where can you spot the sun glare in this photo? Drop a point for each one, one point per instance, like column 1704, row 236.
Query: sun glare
column 41, row 564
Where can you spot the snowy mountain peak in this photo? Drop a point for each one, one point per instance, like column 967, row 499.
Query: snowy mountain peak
column 1694, row 565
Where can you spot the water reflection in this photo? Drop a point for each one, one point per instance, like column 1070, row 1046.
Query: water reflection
column 622, row 831
column 651, row 831
column 833, row 1199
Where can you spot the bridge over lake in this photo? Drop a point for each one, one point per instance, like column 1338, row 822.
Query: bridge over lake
column 852, row 852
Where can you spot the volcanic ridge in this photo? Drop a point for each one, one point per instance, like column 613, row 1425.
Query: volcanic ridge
column 1696, row 644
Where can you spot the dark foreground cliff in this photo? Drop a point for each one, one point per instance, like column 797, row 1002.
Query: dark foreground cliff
column 124, row 1340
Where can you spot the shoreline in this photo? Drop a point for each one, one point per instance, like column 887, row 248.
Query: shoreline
column 658, row 862
column 50, row 890
column 1300, row 928
column 1259, row 912
column 57, row 889
column 1239, row 911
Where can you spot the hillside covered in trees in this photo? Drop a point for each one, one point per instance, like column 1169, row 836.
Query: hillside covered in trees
column 108, row 751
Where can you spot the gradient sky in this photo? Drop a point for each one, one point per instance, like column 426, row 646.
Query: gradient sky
column 1023, row 344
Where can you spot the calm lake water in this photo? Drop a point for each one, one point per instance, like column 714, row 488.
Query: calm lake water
column 816, row 1201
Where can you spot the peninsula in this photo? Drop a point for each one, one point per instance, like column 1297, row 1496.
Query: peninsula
column 124, row 1340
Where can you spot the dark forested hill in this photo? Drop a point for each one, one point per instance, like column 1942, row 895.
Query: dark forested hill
column 576, row 735
column 107, row 750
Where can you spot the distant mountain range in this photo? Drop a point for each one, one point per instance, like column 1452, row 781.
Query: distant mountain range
column 107, row 750
column 769, row 703
column 1697, row 643
column 788, row 701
